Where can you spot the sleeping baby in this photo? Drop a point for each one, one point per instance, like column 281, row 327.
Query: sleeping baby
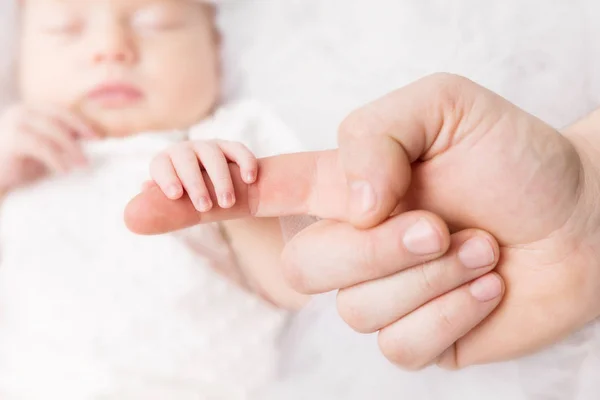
column 111, row 94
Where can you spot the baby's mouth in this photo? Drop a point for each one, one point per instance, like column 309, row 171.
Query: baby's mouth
column 114, row 95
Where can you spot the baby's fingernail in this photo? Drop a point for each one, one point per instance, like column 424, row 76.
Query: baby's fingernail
column 204, row 204
column 250, row 177
column 227, row 200
column 173, row 191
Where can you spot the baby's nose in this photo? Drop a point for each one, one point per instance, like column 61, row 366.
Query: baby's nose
column 114, row 44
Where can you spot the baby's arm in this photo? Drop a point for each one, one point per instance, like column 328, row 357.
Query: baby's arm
column 257, row 243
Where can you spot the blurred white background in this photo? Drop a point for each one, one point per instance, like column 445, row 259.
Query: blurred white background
column 316, row 60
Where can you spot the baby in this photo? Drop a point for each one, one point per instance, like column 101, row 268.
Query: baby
column 89, row 310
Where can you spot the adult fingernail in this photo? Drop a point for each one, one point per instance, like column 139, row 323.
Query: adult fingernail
column 422, row 238
column 477, row 253
column 487, row 288
column 363, row 197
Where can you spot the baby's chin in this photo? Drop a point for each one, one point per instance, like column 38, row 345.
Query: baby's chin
column 123, row 123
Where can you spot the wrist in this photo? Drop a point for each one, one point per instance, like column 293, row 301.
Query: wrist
column 4, row 189
column 584, row 135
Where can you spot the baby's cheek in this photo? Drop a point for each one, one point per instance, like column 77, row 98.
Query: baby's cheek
column 187, row 80
column 185, row 102
column 49, row 84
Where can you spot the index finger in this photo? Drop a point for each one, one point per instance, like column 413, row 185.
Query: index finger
column 293, row 184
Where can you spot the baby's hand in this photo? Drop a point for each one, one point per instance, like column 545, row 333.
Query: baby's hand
column 180, row 168
column 35, row 141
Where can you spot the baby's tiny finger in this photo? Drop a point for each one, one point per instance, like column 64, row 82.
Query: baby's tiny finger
column 215, row 164
column 243, row 157
column 39, row 149
column 56, row 134
column 163, row 173
column 73, row 122
column 188, row 170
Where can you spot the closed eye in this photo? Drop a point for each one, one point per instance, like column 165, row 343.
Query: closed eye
column 160, row 17
column 63, row 26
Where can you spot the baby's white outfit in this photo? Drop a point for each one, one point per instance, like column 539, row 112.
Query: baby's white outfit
column 89, row 310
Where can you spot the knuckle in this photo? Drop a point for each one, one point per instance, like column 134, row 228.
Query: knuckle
column 448, row 89
column 448, row 81
column 292, row 269
column 445, row 321
column 158, row 162
column 353, row 313
column 399, row 352
column 194, row 187
column 183, row 156
column 241, row 148
column 206, row 144
column 369, row 264
column 359, row 123
column 429, row 277
column 221, row 142
column 183, row 147
column 221, row 179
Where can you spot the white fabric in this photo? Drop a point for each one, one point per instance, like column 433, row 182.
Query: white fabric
column 314, row 61
column 89, row 310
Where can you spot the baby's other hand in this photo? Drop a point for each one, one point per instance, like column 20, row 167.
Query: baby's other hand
column 180, row 168
column 38, row 140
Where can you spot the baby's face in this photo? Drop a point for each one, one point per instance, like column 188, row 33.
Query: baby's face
column 127, row 66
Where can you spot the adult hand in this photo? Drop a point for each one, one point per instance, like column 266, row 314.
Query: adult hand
column 448, row 146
